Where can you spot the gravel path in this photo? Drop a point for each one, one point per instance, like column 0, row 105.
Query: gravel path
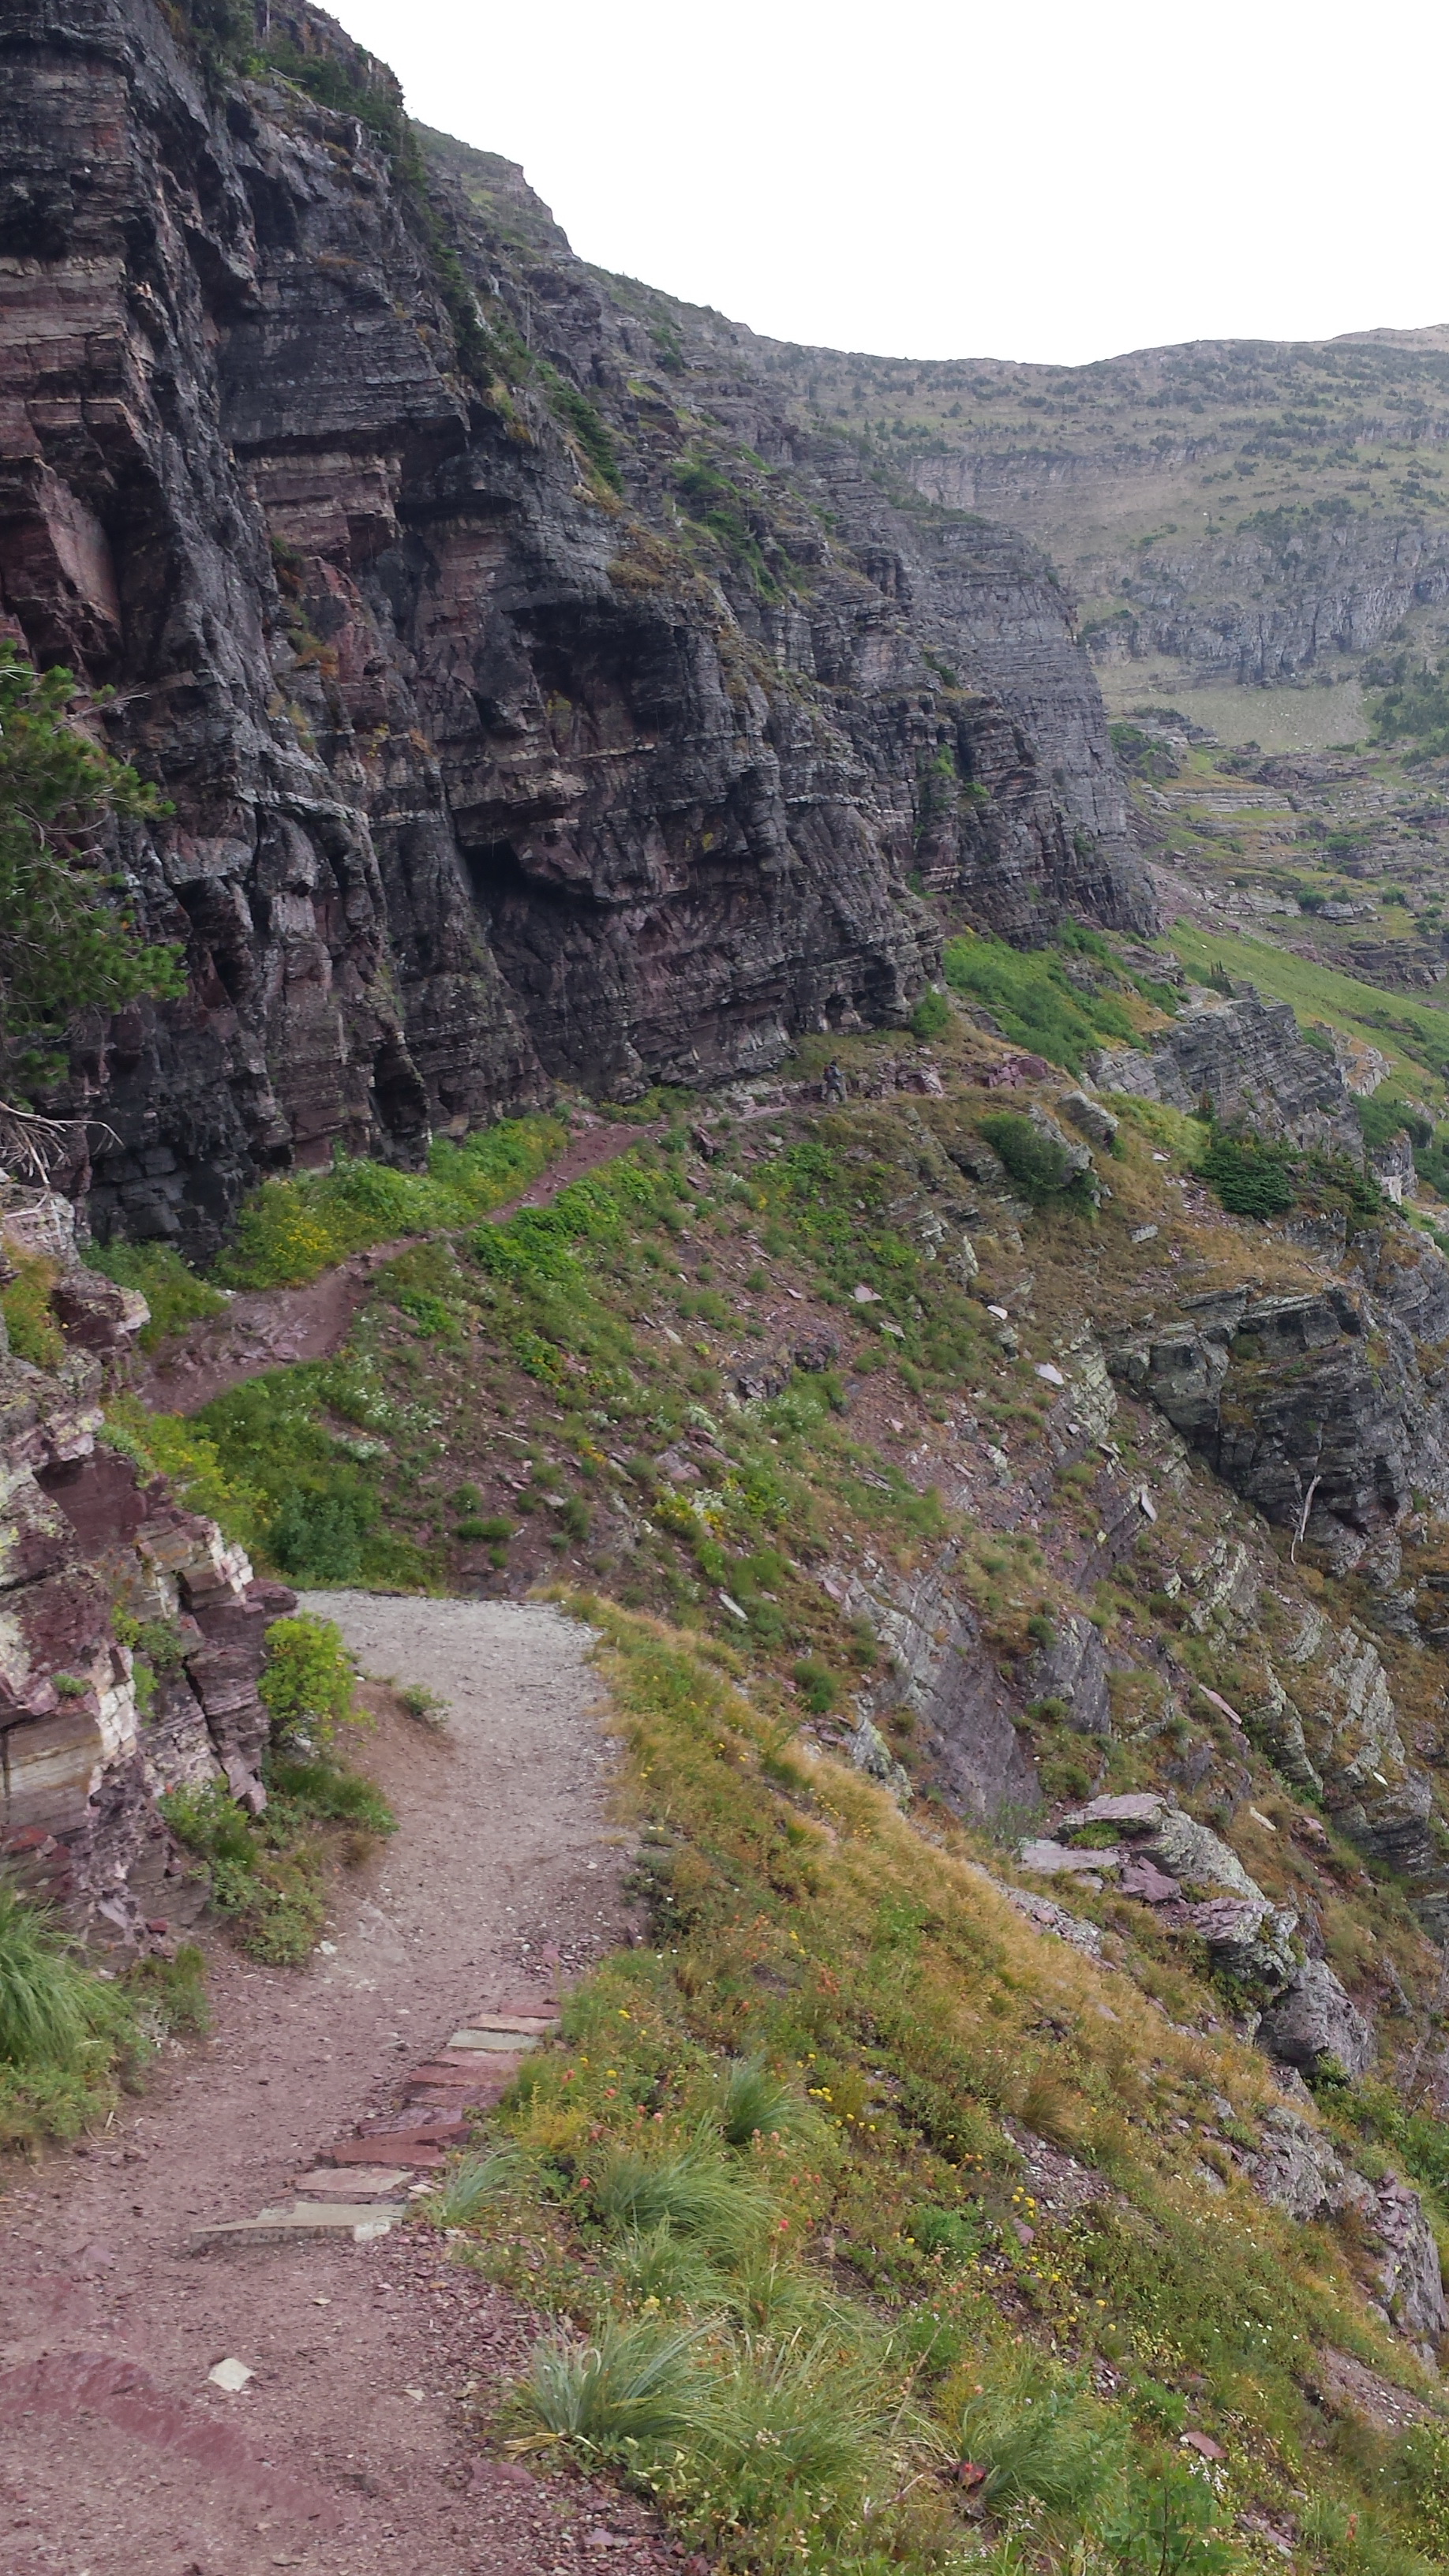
column 350, row 2454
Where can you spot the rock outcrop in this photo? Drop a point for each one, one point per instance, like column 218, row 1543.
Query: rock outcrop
column 1333, row 1402
column 538, row 701
column 91, row 1733
column 1315, row 2022
column 1249, row 1061
column 1298, row 2170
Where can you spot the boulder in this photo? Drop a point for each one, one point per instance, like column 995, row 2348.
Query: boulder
column 1315, row 2021
column 1092, row 1118
column 1073, row 1668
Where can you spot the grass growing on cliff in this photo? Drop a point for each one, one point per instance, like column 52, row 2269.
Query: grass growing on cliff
column 293, row 1230
column 794, row 2337
column 1035, row 1002
column 173, row 1292
column 1413, row 1035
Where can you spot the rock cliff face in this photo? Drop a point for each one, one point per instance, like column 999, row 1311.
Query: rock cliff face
column 1249, row 1060
column 537, row 702
column 1329, row 1404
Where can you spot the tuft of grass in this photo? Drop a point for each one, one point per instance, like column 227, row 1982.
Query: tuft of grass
column 32, row 1330
column 50, row 2005
column 1041, row 2439
column 628, row 2387
column 69, row 2036
column 471, row 2186
column 697, row 2192
column 755, row 2102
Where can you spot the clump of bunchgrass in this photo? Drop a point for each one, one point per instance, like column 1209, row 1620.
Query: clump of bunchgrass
column 629, row 2386
column 473, row 2186
column 753, row 2102
column 695, row 2191
column 51, row 2006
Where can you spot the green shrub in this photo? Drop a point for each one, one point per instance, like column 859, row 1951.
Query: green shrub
column 68, row 941
column 307, row 1681
column 931, row 1017
column 1037, row 1163
column 1168, row 2524
column 1250, row 1176
column 321, row 1538
column 817, row 1685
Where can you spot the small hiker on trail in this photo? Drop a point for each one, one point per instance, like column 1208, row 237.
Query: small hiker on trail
column 834, row 1085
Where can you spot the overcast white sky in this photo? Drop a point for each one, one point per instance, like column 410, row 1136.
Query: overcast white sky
column 1029, row 179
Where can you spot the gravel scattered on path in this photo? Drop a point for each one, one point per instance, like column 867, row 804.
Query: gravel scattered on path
column 350, row 2453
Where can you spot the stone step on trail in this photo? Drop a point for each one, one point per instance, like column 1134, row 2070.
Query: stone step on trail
column 365, row 2151
column 359, row 2221
column 463, row 2069
column 362, row 2185
column 502, row 2043
column 355, row 2182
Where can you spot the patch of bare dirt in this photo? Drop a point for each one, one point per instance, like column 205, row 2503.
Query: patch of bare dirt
column 265, row 1328
column 352, row 2452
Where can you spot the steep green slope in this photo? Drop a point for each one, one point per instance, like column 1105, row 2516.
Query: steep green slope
column 805, row 1406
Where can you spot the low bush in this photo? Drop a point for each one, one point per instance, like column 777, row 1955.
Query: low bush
column 1249, row 1176
column 1037, row 1163
column 308, row 1685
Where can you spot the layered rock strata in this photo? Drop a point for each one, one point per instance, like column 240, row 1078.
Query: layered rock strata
column 88, row 1549
column 538, row 704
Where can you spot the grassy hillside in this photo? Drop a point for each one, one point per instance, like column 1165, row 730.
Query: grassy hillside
column 870, row 2223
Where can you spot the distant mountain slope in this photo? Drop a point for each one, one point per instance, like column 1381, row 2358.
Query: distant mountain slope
column 1261, row 511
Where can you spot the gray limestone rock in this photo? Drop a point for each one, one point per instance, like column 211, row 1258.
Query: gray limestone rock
column 1298, row 2169
column 1073, row 1668
column 1250, row 1060
column 1315, row 2020
column 1092, row 1117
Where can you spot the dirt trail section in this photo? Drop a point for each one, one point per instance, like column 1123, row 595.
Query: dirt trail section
column 350, row 2451
column 264, row 1328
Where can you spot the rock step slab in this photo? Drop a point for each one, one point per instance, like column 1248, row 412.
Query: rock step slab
column 501, row 2043
column 523, row 2025
column 361, row 2221
column 420, row 2158
column 356, row 2182
column 464, row 2067
column 394, row 2131
column 473, row 2098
